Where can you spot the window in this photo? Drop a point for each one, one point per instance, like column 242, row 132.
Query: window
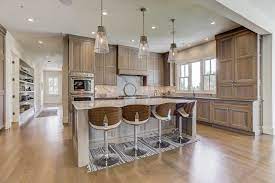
column 198, row 76
column 209, row 75
column 184, row 77
column 53, row 85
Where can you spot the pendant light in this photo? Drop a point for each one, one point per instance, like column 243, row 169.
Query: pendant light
column 101, row 41
column 173, row 47
column 143, row 45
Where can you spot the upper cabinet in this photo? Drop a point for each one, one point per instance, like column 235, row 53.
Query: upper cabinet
column 155, row 70
column 81, row 54
column 237, row 64
column 105, row 67
column 129, row 63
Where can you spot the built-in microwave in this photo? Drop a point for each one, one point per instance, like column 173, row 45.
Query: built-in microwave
column 82, row 83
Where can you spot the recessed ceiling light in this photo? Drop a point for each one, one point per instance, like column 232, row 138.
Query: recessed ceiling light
column 132, row 40
column 30, row 20
column 93, row 33
column 154, row 27
column 40, row 42
column 213, row 23
column 206, row 39
column 189, row 45
column 104, row 13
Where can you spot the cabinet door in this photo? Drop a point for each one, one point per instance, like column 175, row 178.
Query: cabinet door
column 99, row 71
column 151, row 61
column 87, row 56
column 203, row 110
column 221, row 114
column 2, row 89
column 245, row 91
column 225, row 60
column 241, row 117
column 110, row 77
column 150, row 78
column 111, row 57
column 225, row 90
column 246, row 57
column 74, row 54
column 123, row 57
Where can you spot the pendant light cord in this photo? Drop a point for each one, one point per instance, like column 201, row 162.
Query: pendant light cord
column 173, row 20
column 101, row 13
column 143, row 21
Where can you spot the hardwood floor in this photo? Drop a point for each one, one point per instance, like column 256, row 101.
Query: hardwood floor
column 41, row 151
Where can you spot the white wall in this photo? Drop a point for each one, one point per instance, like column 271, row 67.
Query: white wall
column 52, row 99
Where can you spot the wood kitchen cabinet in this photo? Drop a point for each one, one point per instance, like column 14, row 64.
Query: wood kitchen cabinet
column 2, row 75
column 168, row 71
column 129, row 63
column 237, row 115
column 105, row 67
column 81, row 54
column 155, row 70
column 203, row 110
column 237, row 64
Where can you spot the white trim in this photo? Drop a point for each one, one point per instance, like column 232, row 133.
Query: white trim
column 268, row 130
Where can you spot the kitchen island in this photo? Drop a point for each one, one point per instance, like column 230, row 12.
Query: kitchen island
column 83, row 135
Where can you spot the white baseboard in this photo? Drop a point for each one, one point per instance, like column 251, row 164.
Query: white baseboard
column 269, row 130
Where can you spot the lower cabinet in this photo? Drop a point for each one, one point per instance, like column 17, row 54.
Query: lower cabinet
column 237, row 115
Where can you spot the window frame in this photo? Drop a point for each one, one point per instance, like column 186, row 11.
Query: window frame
column 189, row 63
column 184, row 77
column 208, row 75
column 55, row 93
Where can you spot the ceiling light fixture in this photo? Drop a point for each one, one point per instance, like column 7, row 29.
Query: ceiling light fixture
column 206, row 39
column 154, row 27
column 213, row 23
column 132, row 40
column 104, row 13
column 143, row 45
column 101, row 41
column 93, row 33
column 173, row 47
column 30, row 20
column 40, row 42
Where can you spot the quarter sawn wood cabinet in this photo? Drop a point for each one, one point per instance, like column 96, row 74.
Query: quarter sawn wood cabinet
column 203, row 110
column 155, row 70
column 237, row 64
column 81, row 54
column 2, row 75
column 105, row 67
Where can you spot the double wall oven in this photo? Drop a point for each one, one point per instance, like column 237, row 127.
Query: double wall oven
column 82, row 86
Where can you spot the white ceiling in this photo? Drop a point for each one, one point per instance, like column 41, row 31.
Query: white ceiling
column 123, row 22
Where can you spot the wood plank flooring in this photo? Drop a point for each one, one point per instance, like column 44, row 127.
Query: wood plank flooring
column 41, row 151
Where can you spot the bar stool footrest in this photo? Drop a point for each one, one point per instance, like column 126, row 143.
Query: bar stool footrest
column 180, row 140
column 103, row 161
column 131, row 151
column 162, row 144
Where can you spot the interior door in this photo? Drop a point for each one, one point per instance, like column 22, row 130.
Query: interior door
column 2, row 75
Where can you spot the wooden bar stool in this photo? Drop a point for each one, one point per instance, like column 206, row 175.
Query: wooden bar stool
column 135, row 115
column 162, row 113
column 185, row 113
column 105, row 118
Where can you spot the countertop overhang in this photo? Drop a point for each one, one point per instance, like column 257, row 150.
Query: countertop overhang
column 84, row 105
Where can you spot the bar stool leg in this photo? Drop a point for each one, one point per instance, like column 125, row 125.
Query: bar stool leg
column 107, row 159
column 135, row 151
column 160, row 143
column 180, row 139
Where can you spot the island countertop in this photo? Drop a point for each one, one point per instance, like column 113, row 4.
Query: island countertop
column 84, row 105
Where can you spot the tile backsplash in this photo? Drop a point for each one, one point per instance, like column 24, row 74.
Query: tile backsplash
column 104, row 91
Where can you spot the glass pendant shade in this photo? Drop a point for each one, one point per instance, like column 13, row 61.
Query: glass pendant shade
column 172, row 53
column 143, row 47
column 101, row 41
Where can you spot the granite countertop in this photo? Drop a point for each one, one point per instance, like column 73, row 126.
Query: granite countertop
column 123, row 102
column 181, row 97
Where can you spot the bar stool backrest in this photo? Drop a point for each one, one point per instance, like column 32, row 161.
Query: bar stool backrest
column 133, row 112
column 100, row 116
column 164, row 109
column 188, row 108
